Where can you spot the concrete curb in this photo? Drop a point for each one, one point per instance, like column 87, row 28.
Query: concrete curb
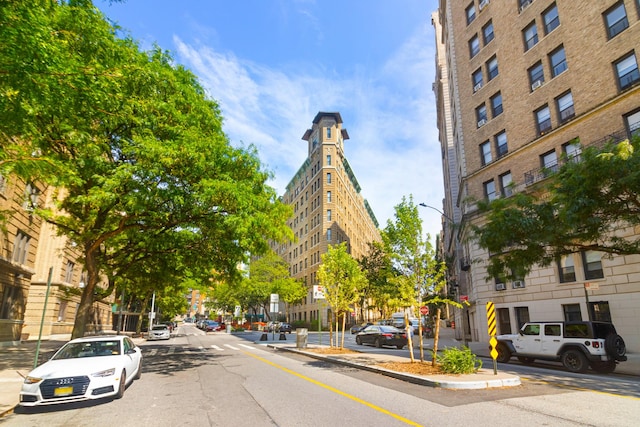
column 483, row 379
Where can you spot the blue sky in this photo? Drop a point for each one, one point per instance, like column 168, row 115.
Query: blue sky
column 272, row 65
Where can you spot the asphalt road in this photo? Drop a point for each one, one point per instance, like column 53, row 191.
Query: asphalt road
column 220, row 379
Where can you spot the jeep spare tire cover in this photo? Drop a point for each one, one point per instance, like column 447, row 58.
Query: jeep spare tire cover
column 615, row 346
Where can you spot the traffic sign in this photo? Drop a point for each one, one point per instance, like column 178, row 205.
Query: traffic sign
column 424, row 310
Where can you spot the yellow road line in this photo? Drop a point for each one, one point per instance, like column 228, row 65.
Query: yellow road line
column 335, row 390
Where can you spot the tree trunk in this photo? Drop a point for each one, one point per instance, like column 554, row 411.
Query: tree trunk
column 141, row 315
column 436, row 335
column 344, row 324
column 86, row 300
column 408, row 328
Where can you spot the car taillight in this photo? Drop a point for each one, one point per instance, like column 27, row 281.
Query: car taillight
column 387, row 335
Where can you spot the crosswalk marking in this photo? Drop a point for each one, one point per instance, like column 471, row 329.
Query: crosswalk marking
column 231, row 347
column 153, row 352
column 217, row 348
column 247, row 346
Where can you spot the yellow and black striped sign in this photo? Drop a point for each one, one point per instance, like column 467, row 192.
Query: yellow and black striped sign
column 491, row 322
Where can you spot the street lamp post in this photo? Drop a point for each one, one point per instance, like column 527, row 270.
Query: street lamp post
column 424, row 205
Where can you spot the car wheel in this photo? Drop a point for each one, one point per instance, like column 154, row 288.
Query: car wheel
column 378, row 343
column 139, row 373
column 526, row 360
column 574, row 361
column 358, row 340
column 504, row 354
column 604, row 367
column 123, row 384
column 615, row 346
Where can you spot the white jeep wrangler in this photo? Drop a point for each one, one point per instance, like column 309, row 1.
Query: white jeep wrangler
column 577, row 345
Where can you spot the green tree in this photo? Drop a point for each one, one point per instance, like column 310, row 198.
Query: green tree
column 407, row 246
column 342, row 279
column 380, row 289
column 590, row 204
column 131, row 143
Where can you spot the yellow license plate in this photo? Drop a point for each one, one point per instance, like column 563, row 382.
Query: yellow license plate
column 63, row 391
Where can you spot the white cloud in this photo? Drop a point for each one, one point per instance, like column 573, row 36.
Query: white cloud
column 389, row 114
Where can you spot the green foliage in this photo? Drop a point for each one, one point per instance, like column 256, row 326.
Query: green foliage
column 341, row 277
column 456, row 360
column 584, row 206
column 143, row 169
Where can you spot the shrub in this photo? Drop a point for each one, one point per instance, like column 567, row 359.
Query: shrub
column 456, row 360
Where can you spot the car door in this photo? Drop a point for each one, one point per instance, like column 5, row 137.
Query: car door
column 529, row 341
column 551, row 338
column 370, row 334
column 131, row 356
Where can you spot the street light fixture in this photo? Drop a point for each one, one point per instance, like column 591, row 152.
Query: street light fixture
column 424, row 205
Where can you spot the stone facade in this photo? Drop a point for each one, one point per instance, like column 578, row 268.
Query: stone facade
column 532, row 82
column 328, row 210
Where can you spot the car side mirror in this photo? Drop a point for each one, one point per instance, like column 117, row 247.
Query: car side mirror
column 521, row 333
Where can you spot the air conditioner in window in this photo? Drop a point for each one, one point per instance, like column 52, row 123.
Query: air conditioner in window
column 501, row 287
column 536, row 84
column 483, row 3
column 525, row 4
column 517, row 284
column 477, row 87
column 482, row 122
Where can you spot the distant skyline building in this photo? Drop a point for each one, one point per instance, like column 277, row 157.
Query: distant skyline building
column 521, row 87
column 328, row 210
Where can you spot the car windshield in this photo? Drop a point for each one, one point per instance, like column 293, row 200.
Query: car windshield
column 88, row 349
column 159, row 328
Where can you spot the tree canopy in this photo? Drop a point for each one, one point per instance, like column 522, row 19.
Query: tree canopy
column 592, row 203
column 131, row 144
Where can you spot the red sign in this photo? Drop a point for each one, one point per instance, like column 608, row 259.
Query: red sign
column 424, row 310
column 464, row 298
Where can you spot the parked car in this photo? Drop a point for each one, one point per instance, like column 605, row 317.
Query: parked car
column 83, row 369
column 357, row 328
column 211, row 326
column 382, row 335
column 159, row 332
column 284, row 327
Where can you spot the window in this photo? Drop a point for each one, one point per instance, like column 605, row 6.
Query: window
column 549, row 162
column 572, row 312
column 552, row 330
column 492, row 68
column 505, row 184
column 62, row 310
column 474, row 46
column 600, row 311
column 627, row 70
column 328, row 159
column 10, row 298
column 68, row 277
column 503, row 320
column 3, row 184
column 476, row 79
column 328, row 196
column 532, row 329
column 30, row 197
column 530, row 34
column 565, row 107
column 551, row 19
column 496, row 104
column 522, row 315
column 523, row 4
column 328, row 214
column 328, row 234
column 536, row 75
column 543, row 120
column 558, row 61
column 566, row 269
column 21, row 248
column 490, row 190
column 485, row 153
column 328, row 133
column 632, row 121
column 572, row 151
column 616, row 20
column 471, row 13
column 501, row 144
column 328, row 177
column 481, row 115
column 592, row 263
column 487, row 32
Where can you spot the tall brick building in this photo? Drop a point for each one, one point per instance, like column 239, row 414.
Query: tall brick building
column 328, row 210
column 523, row 85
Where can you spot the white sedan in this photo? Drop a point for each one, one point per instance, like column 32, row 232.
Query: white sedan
column 83, row 369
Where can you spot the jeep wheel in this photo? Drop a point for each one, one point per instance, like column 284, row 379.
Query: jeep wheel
column 503, row 353
column 615, row 346
column 358, row 340
column 526, row 360
column 604, row 367
column 574, row 361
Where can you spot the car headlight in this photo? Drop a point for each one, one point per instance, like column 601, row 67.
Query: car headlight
column 32, row 380
column 105, row 373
